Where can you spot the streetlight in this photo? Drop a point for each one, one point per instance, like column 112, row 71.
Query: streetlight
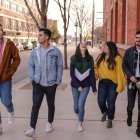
column 76, row 25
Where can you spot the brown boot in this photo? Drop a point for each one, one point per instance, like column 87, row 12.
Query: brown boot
column 104, row 117
column 109, row 124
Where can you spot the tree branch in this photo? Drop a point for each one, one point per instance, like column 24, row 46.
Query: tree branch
column 38, row 8
column 31, row 13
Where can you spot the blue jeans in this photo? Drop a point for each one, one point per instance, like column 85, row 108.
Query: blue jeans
column 6, row 95
column 107, row 93
column 79, row 98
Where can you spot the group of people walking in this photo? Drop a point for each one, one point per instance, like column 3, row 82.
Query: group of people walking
column 46, row 70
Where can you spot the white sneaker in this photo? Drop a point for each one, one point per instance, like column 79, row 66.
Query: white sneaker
column 0, row 129
column 30, row 133
column 11, row 117
column 49, row 128
column 80, row 128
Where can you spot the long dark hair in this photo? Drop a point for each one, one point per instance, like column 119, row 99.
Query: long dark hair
column 113, row 52
column 78, row 54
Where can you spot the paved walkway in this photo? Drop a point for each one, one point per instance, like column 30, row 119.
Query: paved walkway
column 65, row 122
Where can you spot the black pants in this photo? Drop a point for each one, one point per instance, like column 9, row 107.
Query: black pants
column 38, row 94
column 131, row 103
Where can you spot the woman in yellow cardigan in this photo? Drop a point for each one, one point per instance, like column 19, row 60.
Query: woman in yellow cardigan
column 108, row 69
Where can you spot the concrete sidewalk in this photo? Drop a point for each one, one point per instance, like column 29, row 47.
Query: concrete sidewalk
column 65, row 122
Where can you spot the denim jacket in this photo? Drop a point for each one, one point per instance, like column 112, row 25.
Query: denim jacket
column 54, row 63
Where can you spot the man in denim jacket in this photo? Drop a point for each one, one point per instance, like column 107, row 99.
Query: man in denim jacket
column 45, row 73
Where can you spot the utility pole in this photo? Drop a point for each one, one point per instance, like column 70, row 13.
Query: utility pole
column 93, row 11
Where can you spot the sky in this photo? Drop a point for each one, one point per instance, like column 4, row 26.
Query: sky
column 54, row 13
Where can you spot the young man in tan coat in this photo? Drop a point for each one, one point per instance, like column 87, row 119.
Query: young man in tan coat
column 9, row 61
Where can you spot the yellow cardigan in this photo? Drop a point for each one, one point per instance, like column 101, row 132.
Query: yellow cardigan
column 116, row 75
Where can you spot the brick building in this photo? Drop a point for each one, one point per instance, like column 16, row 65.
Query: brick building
column 121, row 19
column 17, row 23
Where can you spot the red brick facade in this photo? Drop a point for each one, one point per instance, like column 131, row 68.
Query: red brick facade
column 121, row 20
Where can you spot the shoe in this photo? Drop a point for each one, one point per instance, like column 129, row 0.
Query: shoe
column 30, row 133
column 109, row 124
column 138, row 132
column 10, row 118
column 49, row 127
column 80, row 128
column 129, row 122
column 104, row 117
column 0, row 129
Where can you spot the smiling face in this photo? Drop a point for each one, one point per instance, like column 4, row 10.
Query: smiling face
column 137, row 40
column 83, row 46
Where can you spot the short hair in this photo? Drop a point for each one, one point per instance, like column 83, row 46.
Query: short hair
column 138, row 32
column 46, row 32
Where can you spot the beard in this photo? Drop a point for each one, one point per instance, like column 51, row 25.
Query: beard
column 137, row 43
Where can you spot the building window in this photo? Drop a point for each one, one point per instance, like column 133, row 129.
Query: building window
column 14, row 7
column 7, row 4
column 15, row 26
column 20, row 25
column 7, row 23
column 20, row 10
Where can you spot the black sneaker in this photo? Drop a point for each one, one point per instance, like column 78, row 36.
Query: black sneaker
column 129, row 122
column 104, row 117
column 109, row 124
column 138, row 132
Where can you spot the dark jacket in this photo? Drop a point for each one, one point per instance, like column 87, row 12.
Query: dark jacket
column 10, row 61
column 128, row 61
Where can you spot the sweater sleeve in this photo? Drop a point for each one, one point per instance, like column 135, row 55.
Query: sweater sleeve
column 72, row 72
column 120, row 75
column 92, row 76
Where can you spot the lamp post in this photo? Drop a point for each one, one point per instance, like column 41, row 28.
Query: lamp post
column 76, row 25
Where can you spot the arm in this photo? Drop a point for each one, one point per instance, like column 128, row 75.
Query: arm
column 15, row 58
column 59, row 68
column 92, row 77
column 120, row 75
column 125, row 65
column 31, row 67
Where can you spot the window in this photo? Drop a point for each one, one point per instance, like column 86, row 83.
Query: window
column 7, row 23
column 15, row 26
column 20, row 25
column 20, row 10
column 7, row 4
column 14, row 7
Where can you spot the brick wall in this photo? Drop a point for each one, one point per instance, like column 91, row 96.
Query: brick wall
column 117, row 9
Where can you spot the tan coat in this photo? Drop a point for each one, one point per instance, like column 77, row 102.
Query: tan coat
column 10, row 61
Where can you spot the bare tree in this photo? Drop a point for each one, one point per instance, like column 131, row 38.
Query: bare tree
column 42, row 8
column 80, row 12
column 65, row 13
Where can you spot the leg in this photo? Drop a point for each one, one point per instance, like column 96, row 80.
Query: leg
column 0, row 118
column 38, row 95
column 6, row 95
column 50, row 95
column 111, row 99
column 131, row 95
column 138, row 123
column 102, row 95
column 75, row 94
column 81, row 102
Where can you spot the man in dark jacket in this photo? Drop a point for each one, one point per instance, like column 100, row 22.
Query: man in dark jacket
column 9, row 61
column 131, row 66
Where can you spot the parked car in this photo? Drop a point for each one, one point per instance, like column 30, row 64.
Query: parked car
column 27, row 45
column 34, row 43
column 20, row 47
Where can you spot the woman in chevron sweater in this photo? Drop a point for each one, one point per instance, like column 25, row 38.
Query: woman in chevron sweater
column 82, row 78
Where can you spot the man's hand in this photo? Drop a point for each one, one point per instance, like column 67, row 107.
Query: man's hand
column 133, row 79
column 138, row 84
